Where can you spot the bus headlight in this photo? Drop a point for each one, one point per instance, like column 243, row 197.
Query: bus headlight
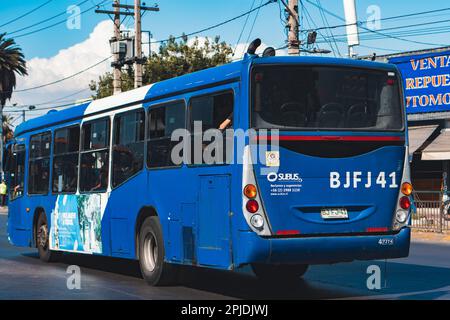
column 257, row 221
column 402, row 216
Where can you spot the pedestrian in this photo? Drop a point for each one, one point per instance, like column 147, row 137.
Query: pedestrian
column 3, row 192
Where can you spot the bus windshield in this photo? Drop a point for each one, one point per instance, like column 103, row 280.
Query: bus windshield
column 325, row 98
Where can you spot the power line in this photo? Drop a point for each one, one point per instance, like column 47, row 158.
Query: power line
column 377, row 32
column 44, row 109
column 243, row 29
column 313, row 23
column 382, row 19
column 405, row 27
column 329, row 32
column 60, row 80
column 62, row 99
column 406, row 34
column 216, row 25
column 58, row 23
column 25, row 14
column 44, row 21
column 254, row 22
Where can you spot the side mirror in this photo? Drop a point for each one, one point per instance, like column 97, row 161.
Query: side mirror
column 254, row 46
column 269, row 52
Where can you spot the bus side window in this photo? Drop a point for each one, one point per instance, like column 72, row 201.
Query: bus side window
column 128, row 146
column 65, row 160
column 212, row 112
column 17, row 166
column 94, row 159
column 163, row 121
column 39, row 164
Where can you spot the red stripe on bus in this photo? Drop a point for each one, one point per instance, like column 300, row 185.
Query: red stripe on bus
column 331, row 138
column 377, row 230
column 288, row 232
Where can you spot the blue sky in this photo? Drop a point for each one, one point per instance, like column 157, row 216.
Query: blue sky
column 59, row 52
column 177, row 16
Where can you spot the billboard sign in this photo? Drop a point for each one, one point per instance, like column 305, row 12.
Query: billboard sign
column 426, row 80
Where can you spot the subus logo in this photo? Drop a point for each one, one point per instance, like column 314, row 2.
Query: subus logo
column 274, row 177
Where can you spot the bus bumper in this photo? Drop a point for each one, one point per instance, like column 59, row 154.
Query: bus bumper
column 322, row 250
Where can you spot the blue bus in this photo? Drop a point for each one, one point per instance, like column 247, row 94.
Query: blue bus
column 332, row 186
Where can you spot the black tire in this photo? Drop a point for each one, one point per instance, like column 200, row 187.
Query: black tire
column 42, row 240
column 279, row 273
column 151, row 255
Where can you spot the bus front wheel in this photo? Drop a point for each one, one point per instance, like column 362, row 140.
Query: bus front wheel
column 278, row 272
column 42, row 240
column 151, row 254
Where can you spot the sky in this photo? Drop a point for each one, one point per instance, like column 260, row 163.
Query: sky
column 69, row 47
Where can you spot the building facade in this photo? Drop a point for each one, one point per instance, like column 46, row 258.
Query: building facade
column 426, row 77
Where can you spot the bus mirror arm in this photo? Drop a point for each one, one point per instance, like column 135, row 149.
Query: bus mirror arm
column 254, row 45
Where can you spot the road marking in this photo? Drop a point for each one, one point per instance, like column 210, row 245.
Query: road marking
column 396, row 295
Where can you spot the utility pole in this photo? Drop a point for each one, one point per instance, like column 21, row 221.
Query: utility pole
column 120, row 54
column 30, row 108
column 117, row 73
column 138, row 59
column 138, row 45
column 294, row 27
column 115, row 45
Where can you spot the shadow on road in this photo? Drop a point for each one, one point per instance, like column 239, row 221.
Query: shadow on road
column 240, row 285
column 403, row 281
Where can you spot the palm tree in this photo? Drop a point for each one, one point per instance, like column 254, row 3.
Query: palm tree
column 12, row 62
column 8, row 132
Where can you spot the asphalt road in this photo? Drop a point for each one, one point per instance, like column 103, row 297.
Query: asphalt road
column 424, row 275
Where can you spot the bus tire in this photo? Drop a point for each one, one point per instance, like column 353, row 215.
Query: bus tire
column 42, row 240
column 278, row 272
column 154, row 270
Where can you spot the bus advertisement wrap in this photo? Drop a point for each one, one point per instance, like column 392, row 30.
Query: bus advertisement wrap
column 426, row 80
column 76, row 223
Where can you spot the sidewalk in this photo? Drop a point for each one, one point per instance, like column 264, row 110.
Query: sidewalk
column 3, row 211
column 433, row 237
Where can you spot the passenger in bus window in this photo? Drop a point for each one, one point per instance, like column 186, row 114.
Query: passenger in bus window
column 102, row 179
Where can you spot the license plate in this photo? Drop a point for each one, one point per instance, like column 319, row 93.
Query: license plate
column 334, row 214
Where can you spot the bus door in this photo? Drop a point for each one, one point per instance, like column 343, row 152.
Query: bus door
column 213, row 227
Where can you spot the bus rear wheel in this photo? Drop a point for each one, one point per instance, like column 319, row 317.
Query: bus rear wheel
column 278, row 272
column 151, row 255
column 42, row 240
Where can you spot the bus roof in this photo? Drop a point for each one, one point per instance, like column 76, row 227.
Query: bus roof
column 224, row 73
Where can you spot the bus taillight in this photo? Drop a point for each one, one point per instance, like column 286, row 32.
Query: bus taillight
column 252, row 206
column 405, row 203
column 407, row 189
column 250, row 191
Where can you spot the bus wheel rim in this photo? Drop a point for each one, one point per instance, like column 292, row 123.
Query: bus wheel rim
column 43, row 236
column 150, row 252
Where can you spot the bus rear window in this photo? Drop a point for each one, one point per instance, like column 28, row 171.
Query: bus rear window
column 325, row 98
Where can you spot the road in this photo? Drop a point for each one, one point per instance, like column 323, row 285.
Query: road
column 424, row 275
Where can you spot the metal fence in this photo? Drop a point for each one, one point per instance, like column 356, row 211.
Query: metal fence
column 431, row 211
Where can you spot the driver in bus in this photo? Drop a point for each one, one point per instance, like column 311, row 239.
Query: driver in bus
column 227, row 123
